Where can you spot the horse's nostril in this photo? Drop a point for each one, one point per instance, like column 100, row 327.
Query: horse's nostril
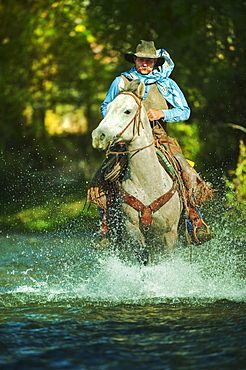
column 102, row 136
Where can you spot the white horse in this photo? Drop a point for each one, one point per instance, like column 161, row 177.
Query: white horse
column 150, row 199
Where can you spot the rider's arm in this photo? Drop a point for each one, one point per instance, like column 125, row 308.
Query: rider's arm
column 111, row 94
column 178, row 112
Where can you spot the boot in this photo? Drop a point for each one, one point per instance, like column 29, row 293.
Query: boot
column 197, row 191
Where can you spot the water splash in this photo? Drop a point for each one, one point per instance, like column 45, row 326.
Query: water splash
column 171, row 280
column 64, row 270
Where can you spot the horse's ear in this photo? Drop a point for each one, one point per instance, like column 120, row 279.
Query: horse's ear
column 140, row 90
column 137, row 88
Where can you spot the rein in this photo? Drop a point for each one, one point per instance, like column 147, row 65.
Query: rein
column 137, row 114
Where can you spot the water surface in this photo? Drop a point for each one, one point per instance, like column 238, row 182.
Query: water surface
column 66, row 304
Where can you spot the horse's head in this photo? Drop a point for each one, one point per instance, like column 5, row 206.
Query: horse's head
column 121, row 113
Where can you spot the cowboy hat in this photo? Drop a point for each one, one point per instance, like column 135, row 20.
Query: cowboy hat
column 145, row 49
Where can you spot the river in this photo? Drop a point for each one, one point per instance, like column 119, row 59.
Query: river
column 65, row 304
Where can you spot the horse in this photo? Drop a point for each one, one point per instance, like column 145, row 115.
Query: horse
column 149, row 196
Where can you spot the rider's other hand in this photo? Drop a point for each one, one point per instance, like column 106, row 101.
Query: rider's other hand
column 154, row 114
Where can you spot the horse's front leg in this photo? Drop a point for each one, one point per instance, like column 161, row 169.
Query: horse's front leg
column 137, row 242
column 170, row 239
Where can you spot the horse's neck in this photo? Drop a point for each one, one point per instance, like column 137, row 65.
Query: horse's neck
column 144, row 166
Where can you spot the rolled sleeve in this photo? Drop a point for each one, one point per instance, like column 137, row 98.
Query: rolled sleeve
column 177, row 114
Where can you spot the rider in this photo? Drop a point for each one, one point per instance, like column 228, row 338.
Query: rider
column 164, row 102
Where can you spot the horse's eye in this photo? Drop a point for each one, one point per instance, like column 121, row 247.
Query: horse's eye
column 127, row 111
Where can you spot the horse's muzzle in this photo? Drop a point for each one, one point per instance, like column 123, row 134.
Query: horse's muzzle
column 99, row 140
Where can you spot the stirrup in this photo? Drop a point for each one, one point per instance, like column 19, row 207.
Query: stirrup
column 199, row 231
column 201, row 234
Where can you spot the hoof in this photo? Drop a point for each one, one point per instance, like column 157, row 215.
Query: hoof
column 143, row 257
column 102, row 243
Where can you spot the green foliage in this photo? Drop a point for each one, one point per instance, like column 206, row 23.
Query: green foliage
column 188, row 138
column 48, row 60
column 236, row 186
column 60, row 55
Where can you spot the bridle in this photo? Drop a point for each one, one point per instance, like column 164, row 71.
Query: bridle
column 139, row 123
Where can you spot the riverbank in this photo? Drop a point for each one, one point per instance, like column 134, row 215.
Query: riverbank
column 46, row 201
